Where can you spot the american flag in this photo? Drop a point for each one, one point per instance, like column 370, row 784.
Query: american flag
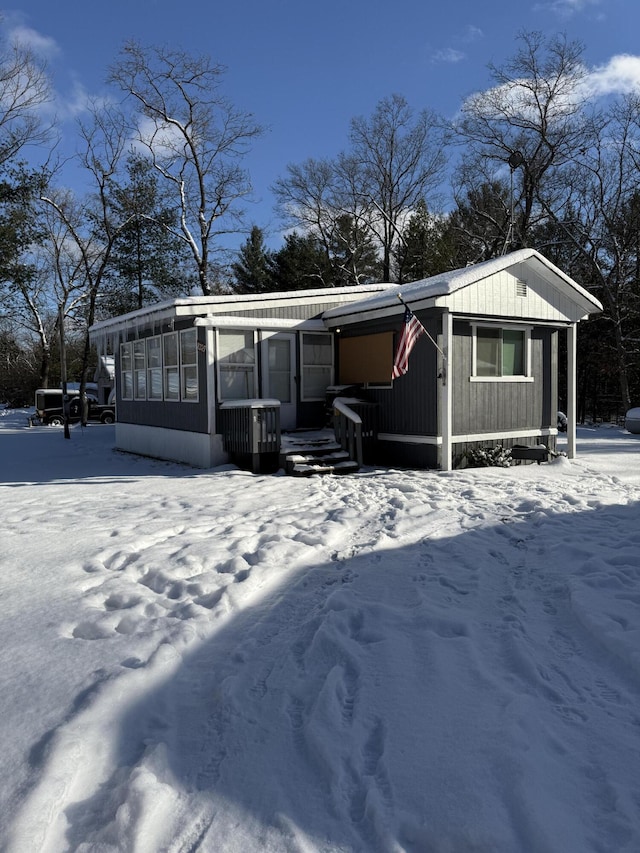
column 411, row 331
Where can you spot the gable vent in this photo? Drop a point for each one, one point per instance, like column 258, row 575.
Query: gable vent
column 521, row 288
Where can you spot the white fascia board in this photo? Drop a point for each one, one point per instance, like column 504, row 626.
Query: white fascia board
column 363, row 315
column 229, row 321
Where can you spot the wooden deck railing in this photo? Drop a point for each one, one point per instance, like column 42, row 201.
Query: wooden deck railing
column 351, row 431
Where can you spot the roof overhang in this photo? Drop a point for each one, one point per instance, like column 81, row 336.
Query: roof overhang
column 436, row 292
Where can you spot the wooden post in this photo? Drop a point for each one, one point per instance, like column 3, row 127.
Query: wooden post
column 446, row 397
column 572, row 397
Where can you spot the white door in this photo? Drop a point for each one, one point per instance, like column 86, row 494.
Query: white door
column 279, row 374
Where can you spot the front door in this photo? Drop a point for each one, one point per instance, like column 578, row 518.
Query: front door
column 279, row 374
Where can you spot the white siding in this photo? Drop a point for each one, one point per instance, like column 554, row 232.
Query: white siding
column 497, row 295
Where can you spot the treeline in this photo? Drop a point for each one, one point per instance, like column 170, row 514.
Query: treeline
column 535, row 160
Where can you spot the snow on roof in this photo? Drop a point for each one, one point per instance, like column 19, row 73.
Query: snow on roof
column 198, row 306
column 447, row 283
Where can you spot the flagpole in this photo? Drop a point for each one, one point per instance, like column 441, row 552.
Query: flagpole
column 399, row 295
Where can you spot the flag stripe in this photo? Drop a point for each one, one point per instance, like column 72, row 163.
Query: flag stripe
column 411, row 331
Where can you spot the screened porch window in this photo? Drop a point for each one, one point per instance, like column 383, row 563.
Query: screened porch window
column 171, row 371
column 317, row 365
column 189, row 366
column 154, row 368
column 139, row 370
column 126, row 371
column 236, row 364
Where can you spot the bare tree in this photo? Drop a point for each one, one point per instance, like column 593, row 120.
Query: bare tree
column 400, row 158
column 24, row 88
column 394, row 161
column 603, row 229
column 534, row 119
column 196, row 139
column 89, row 226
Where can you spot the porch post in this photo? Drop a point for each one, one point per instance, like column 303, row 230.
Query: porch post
column 572, row 408
column 446, row 396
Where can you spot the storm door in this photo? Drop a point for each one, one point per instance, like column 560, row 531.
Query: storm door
column 279, row 374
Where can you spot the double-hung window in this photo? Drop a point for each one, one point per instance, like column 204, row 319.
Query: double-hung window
column 237, row 364
column 501, row 354
column 139, row 370
column 126, row 371
column 171, row 367
column 154, row 368
column 188, row 366
column 317, row 364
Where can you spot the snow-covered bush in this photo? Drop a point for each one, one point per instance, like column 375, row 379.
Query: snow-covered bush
column 487, row 457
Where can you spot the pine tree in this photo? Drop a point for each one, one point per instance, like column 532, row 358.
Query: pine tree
column 301, row 264
column 252, row 272
column 426, row 247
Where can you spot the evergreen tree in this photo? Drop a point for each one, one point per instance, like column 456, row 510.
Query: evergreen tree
column 148, row 262
column 353, row 254
column 252, row 271
column 426, row 247
column 301, row 264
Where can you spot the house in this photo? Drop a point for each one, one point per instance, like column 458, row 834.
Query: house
column 485, row 373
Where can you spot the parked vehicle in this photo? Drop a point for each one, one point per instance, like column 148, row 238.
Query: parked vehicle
column 50, row 408
column 632, row 421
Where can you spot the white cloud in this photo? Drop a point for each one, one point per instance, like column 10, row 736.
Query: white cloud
column 567, row 8
column 43, row 46
column 448, row 54
column 620, row 75
column 471, row 34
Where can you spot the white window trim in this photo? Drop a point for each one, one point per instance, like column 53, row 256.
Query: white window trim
column 303, row 395
column 221, row 399
column 517, row 327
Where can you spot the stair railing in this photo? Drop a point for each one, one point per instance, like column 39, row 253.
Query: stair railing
column 347, row 427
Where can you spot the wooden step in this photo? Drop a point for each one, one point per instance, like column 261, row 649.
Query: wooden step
column 313, row 467
column 307, row 464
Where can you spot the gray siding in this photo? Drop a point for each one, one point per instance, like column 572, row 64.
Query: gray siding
column 495, row 406
column 410, row 406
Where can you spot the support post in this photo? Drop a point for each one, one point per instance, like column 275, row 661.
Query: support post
column 572, row 406
column 446, row 398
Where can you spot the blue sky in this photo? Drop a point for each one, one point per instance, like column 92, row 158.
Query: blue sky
column 304, row 71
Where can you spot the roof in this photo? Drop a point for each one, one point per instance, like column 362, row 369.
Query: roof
column 225, row 304
column 433, row 291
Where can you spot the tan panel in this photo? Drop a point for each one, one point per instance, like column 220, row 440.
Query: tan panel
column 366, row 358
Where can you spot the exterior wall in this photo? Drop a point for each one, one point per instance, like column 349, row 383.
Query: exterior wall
column 490, row 407
column 409, row 406
column 192, row 448
column 168, row 414
column 497, row 295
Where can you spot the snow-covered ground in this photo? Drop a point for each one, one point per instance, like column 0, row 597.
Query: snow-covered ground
column 392, row 661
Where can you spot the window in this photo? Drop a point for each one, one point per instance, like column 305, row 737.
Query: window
column 154, row 368
column 501, row 354
column 317, row 364
column 366, row 359
column 139, row 370
column 237, row 364
column 126, row 372
column 189, row 366
column 171, row 369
